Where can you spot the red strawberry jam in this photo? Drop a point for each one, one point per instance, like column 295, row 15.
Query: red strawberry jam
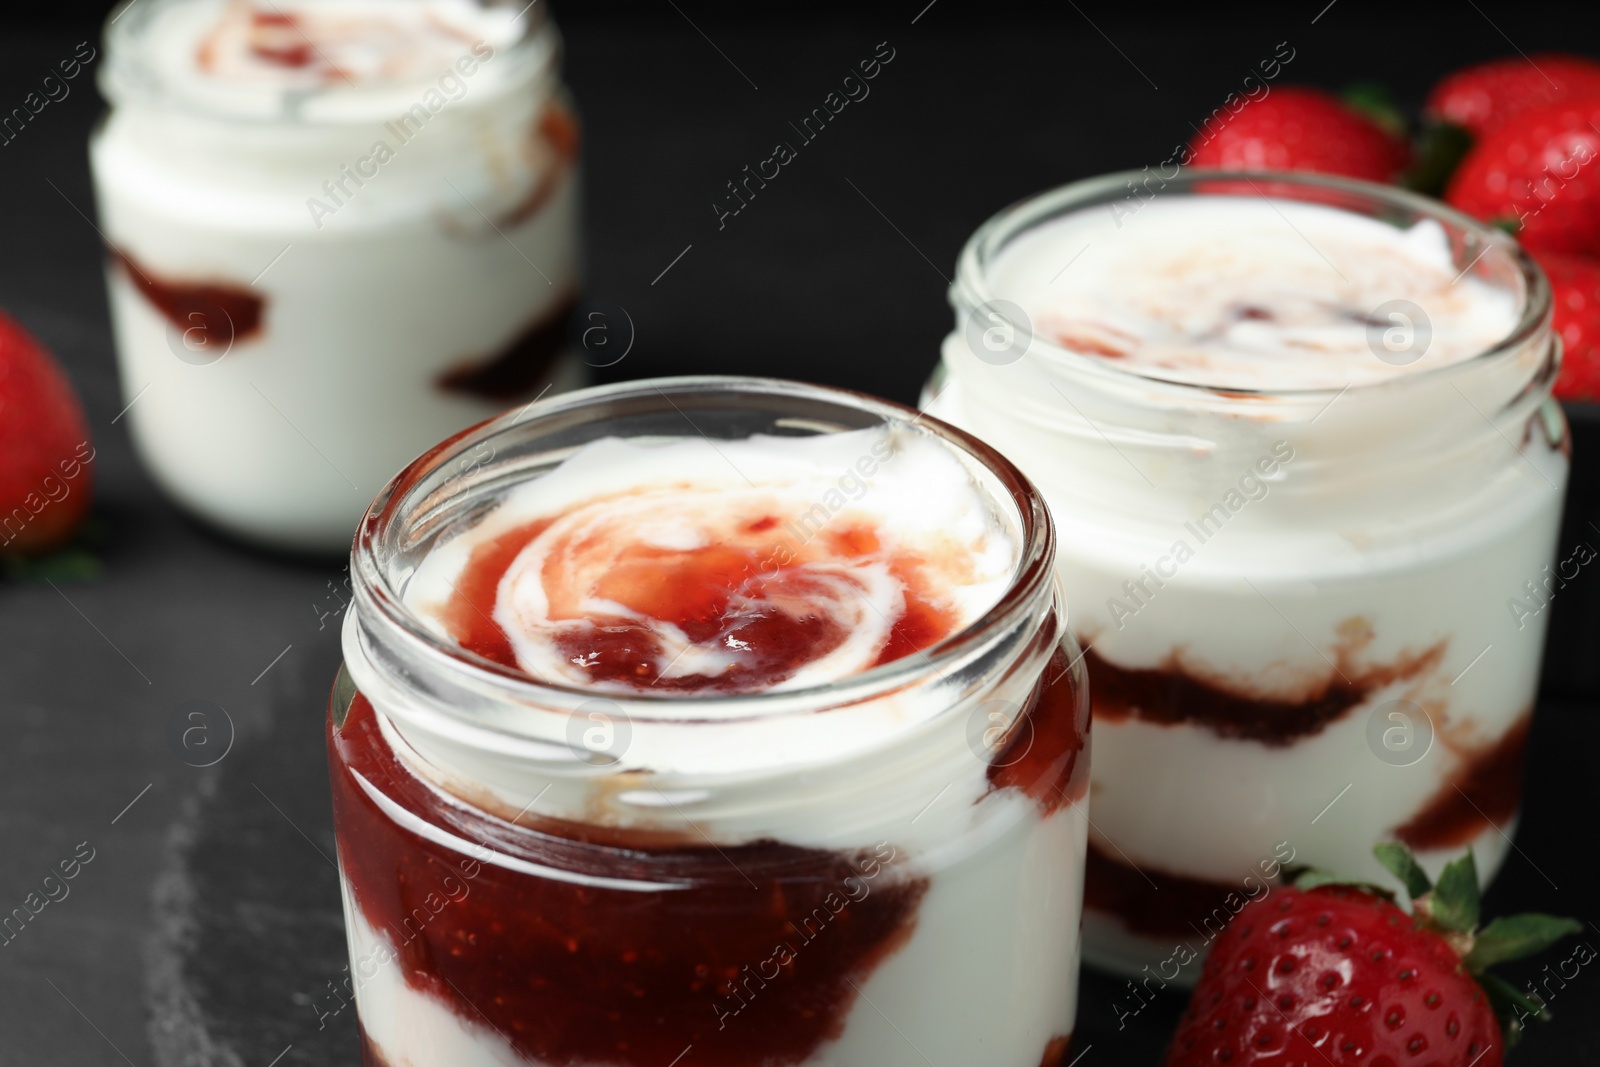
column 570, row 972
column 761, row 599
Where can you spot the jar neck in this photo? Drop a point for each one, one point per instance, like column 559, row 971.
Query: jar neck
column 1133, row 446
column 484, row 103
column 154, row 51
column 821, row 772
column 1116, row 437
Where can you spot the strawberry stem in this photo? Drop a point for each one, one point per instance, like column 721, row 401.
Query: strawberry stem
column 1439, row 152
column 1373, row 100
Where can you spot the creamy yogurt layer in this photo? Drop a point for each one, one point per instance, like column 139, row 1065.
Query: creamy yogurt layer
column 1252, row 293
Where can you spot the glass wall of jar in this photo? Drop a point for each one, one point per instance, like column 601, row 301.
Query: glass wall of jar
column 1307, row 566
column 862, row 870
column 337, row 231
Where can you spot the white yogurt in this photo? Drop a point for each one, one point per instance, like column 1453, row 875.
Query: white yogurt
column 1250, row 293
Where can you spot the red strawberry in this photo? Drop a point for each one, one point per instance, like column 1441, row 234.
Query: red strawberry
column 1336, row 974
column 1483, row 98
column 1575, row 293
column 1538, row 174
column 44, row 446
column 1297, row 128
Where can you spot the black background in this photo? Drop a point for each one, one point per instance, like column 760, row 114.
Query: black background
column 207, row 926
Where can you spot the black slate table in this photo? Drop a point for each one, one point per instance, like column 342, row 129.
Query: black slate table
column 205, row 929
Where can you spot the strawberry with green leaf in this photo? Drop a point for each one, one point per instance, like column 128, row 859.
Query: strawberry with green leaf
column 1329, row 971
column 1298, row 128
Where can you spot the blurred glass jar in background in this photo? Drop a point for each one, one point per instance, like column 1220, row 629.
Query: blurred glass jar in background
column 1297, row 435
column 338, row 231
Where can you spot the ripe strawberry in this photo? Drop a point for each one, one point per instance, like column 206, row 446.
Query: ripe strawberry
column 1575, row 293
column 1538, row 175
column 1484, row 98
column 1298, row 128
column 1330, row 973
column 44, row 446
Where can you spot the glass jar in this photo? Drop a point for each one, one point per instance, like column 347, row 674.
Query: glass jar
column 837, row 874
column 1311, row 618
column 315, row 273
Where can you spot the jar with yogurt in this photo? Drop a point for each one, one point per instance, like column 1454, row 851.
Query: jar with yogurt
column 710, row 720
column 1297, row 436
column 338, row 231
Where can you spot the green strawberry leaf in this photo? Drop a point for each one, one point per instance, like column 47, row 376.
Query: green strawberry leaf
column 1516, row 936
column 1440, row 150
column 1512, row 1007
column 1373, row 100
column 1453, row 904
column 67, row 565
column 1398, row 861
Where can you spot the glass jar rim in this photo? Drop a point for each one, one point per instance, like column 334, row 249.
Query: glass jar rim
column 127, row 73
column 379, row 600
column 970, row 290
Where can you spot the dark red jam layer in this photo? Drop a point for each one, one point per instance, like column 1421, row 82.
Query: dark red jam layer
column 719, row 593
column 517, row 368
column 751, row 954
column 1057, row 1052
column 1046, row 752
column 523, row 364
column 210, row 315
column 1169, row 695
column 1486, row 791
column 1154, row 902
column 556, row 130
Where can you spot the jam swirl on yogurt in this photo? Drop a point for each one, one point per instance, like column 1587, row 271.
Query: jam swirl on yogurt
column 746, row 613
column 714, row 586
column 348, row 43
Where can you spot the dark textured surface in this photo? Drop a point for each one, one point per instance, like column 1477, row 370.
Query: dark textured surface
column 207, row 927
